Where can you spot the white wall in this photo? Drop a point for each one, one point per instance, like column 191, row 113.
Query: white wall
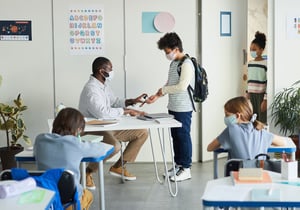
column 222, row 57
column 286, row 51
column 147, row 66
column 46, row 81
column 26, row 66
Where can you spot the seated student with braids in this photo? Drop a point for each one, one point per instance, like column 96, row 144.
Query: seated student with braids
column 244, row 136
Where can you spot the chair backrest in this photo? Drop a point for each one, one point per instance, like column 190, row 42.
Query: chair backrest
column 232, row 165
column 67, row 187
column 5, row 175
column 66, row 184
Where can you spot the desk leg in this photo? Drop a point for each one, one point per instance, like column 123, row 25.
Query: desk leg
column 83, row 174
column 101, row 183
column 215, row 164
column 154, row 160
column 165, row 162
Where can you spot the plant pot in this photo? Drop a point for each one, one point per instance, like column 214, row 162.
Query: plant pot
column 295, row 139
column 7, row 155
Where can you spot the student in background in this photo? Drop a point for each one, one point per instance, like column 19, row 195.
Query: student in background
column 63, row 149
column 97, row 100
column 244, row 136
column 179, row 105
column 257, row 77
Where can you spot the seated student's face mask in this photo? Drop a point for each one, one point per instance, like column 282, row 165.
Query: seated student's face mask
column 231, row 119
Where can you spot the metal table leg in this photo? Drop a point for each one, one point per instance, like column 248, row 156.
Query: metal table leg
column 173, row 193
column 101, row 183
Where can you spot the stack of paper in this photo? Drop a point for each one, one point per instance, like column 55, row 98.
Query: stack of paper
column 249, row 178
column 250, row 174
column 101, row 122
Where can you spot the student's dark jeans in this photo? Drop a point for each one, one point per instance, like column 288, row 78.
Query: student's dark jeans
column 182, row 141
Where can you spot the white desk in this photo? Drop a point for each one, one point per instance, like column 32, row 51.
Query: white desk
column 223, row 193
column 131, row 123
column 15, row 202
column 290, row 148
column 107, row 149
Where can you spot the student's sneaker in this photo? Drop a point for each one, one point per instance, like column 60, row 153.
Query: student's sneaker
column 171, row 171
column 118, row 172
column 90, row 182
column 182, row 174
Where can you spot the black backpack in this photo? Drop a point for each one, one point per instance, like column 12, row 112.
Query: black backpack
column 200, row 91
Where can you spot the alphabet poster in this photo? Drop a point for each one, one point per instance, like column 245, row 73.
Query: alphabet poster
column 86, row 31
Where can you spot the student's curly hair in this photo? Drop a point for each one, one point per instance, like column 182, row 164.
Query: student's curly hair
column 260, row 39
column 170, row 40
column 68, row 121
column 243, row 106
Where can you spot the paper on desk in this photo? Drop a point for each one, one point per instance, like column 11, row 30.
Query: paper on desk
column 264, row 195
column 34, row 196
column 101, row 122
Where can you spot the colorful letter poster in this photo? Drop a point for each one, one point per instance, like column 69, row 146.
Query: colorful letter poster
column 15, row 30
column 86, row 31
column 293, row 26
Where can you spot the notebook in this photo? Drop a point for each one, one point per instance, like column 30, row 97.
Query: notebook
column 101, row 122
column 158, row 115
column 91, row 138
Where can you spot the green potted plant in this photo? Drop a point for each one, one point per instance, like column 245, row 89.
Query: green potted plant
column 12, row 123
column 286, row 112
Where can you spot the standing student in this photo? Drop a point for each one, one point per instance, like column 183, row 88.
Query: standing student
column 244, row 136
column 97, row 100
column 63, row 149
column 179, row 105
column 257, row 77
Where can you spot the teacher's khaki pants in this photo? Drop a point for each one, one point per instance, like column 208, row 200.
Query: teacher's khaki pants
column 134, row 138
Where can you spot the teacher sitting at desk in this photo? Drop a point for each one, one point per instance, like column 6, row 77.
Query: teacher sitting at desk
column 244, row 136
column 97, row 100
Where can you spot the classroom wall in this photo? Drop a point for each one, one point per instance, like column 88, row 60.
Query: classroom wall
column 44, row 72
column 58, row 76
column 27, row 66
column 286, row 50
column 223, row 59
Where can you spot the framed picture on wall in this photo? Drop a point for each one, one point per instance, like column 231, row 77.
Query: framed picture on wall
column 15, row 30
column 225, row 23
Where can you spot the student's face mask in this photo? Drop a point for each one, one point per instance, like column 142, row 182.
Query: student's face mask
column 171, row 56
column 253, row 54
column 231, row 119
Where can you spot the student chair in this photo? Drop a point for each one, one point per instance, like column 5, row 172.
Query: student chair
column 66, row 185
column 232, row 165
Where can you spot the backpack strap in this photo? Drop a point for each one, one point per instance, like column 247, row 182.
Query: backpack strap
column 189, row 88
